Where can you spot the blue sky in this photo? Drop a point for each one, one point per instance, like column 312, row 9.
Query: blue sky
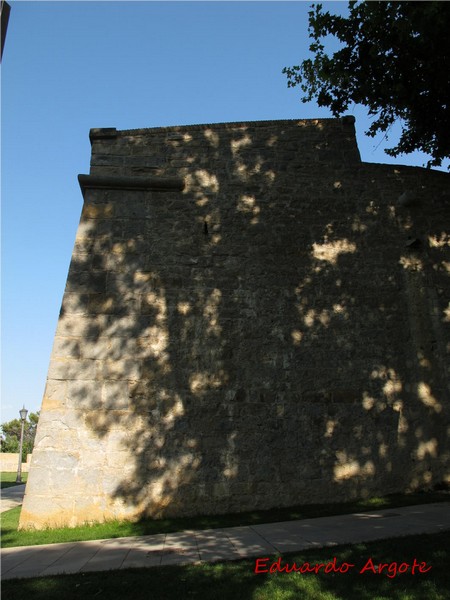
column 70, row 66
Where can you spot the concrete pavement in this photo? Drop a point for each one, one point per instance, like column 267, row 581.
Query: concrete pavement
column 12, row 497
column 231, row 543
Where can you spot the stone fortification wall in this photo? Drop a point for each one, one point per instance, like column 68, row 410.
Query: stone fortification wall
column 253, row 318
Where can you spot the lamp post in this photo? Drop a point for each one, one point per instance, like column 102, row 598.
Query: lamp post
column 23, row 415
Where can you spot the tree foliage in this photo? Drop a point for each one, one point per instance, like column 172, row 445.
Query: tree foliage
column 10, row 437
column 394, row 58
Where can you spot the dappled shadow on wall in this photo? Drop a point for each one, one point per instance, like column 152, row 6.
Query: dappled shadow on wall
column 265, row 337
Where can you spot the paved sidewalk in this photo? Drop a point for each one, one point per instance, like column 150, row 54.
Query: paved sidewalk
column 12, row 497
column 232, row 543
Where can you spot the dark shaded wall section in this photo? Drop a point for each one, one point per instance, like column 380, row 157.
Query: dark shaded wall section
column 253, row 318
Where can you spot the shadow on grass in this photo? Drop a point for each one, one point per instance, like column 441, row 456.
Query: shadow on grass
column 9, row 484
column 114, row 529
column 8, row 479
column 237, row 580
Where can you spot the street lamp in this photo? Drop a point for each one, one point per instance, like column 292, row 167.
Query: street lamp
column 23, row 415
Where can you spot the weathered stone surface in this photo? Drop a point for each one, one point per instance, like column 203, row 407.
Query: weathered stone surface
column 266, row 335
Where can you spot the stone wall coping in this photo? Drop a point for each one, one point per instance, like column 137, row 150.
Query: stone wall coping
column 112, row 132
column 130, row 183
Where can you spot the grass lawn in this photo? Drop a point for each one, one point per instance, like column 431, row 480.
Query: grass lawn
column 238, row 581
column 11, row 537
column 9, row 479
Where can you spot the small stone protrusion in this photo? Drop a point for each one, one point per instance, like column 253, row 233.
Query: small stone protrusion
column 408, row 198
column 413, row 243
column 348, row 120
column 102, row 133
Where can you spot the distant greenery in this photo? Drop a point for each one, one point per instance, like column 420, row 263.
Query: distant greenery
column 113, row 529
column 238, row 581
column 10, row 435
column 9, row 479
